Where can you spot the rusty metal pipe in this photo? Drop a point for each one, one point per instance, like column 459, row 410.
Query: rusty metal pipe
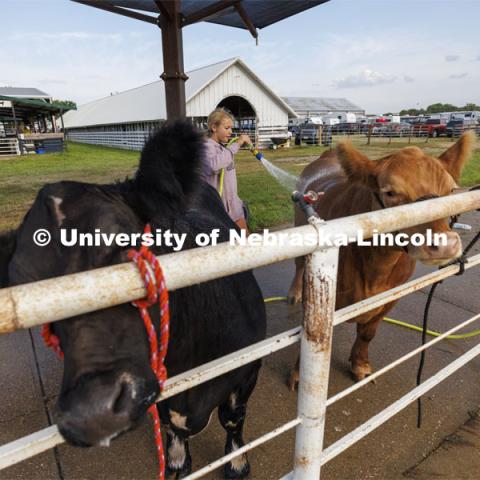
column 320, row 283
column 25, row 306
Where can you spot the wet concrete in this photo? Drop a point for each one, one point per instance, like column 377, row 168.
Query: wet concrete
column 31, row 376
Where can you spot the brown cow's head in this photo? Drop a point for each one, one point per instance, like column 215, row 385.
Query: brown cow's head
column 407, row 176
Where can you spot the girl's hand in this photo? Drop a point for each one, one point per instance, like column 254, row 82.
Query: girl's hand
column 244, row 139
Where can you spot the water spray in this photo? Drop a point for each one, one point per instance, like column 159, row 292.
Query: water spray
column 289, row 181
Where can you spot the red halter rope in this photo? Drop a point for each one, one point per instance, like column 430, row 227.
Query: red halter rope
column 156, row 291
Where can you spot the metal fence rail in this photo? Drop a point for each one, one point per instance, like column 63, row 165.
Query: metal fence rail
column 27, row 305
column 9, row 146
column 403, row 133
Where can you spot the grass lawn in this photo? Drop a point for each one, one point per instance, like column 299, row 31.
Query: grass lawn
column 269, row 203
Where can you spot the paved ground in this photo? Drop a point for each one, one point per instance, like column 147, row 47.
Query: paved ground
column 31, row 375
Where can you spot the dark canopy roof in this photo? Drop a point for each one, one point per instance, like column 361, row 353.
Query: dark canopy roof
column 261, row 13
column 172, row 15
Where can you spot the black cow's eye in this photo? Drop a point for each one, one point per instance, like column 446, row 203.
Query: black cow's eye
column 390, row 193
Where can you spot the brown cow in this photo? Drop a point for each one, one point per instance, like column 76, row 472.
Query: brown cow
column 362, row 186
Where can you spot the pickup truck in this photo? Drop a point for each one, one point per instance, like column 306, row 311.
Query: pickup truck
column 433, row 127
column 456, row 127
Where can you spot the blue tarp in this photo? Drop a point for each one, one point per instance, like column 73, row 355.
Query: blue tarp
column 261, row 12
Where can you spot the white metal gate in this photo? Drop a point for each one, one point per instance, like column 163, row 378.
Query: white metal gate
column 25, row 306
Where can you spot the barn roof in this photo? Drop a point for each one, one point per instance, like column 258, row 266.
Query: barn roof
column 147, row 102
column 20, row 92
column 300, row 104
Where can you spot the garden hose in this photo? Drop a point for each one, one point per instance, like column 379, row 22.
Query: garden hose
column 255, row 152
column 399, row 323
column 222, row 171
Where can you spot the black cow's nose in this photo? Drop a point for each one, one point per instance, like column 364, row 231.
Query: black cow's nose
column 100, row 407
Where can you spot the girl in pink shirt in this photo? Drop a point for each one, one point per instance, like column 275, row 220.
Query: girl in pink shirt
column 218, row 157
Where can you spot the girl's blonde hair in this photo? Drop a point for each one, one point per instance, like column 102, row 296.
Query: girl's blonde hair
column 216, row 117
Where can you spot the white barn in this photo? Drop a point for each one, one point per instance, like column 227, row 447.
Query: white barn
column 126, row 119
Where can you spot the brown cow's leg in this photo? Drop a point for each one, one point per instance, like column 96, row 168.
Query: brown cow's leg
column 294, row 376
column 361, row 367
column 295, row 291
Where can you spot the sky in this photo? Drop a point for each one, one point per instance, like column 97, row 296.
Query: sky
column 383, row 55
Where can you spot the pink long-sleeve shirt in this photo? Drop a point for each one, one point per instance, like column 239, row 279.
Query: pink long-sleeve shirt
column 217, row 157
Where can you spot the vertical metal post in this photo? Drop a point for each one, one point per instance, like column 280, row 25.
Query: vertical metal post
column 14, row 118
column 320, row 283
column 17, row 133
column 64, row 140
column 172, row 44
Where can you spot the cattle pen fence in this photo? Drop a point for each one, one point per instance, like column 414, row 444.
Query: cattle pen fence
column 25, row 306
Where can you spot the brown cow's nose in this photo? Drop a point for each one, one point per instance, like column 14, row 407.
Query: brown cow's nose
column 451, row 250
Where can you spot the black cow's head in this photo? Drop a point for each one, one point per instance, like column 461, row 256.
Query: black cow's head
column 107, row 383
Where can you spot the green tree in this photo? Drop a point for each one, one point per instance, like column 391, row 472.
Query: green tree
column 471, row 106
column 66, row 104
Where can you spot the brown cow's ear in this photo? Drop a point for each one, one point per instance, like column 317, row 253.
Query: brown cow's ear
column 358, row 167
column 457, row 155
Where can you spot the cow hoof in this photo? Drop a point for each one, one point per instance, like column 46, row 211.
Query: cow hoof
column 293, row 380
column 294, row 295
column 294, row 299
column 360, row 372
column 231, row 473
column 176, row 473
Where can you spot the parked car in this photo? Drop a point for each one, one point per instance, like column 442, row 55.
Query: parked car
column 456, row 127
column 401, row 129
column 309, row 133
column 433, row 127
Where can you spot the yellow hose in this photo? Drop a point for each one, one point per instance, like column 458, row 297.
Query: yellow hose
column 274, row 299
column 222, row 171
column 431, row 332
column 220, row 186
column 399, row 323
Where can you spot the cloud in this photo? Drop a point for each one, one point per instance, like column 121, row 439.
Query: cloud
column 457, row 76
column 408, row 79
column 478, row 58
column 452, row 58
column 366, row 78
column 59, row 37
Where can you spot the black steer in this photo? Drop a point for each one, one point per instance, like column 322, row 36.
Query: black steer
column 107, row 383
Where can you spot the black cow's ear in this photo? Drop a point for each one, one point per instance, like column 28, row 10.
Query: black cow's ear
column 458, row 154
column 8, row 242
column 358, row 167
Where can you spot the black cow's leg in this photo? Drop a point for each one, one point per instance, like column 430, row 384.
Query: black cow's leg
column 232, row 417
column 178, row 459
